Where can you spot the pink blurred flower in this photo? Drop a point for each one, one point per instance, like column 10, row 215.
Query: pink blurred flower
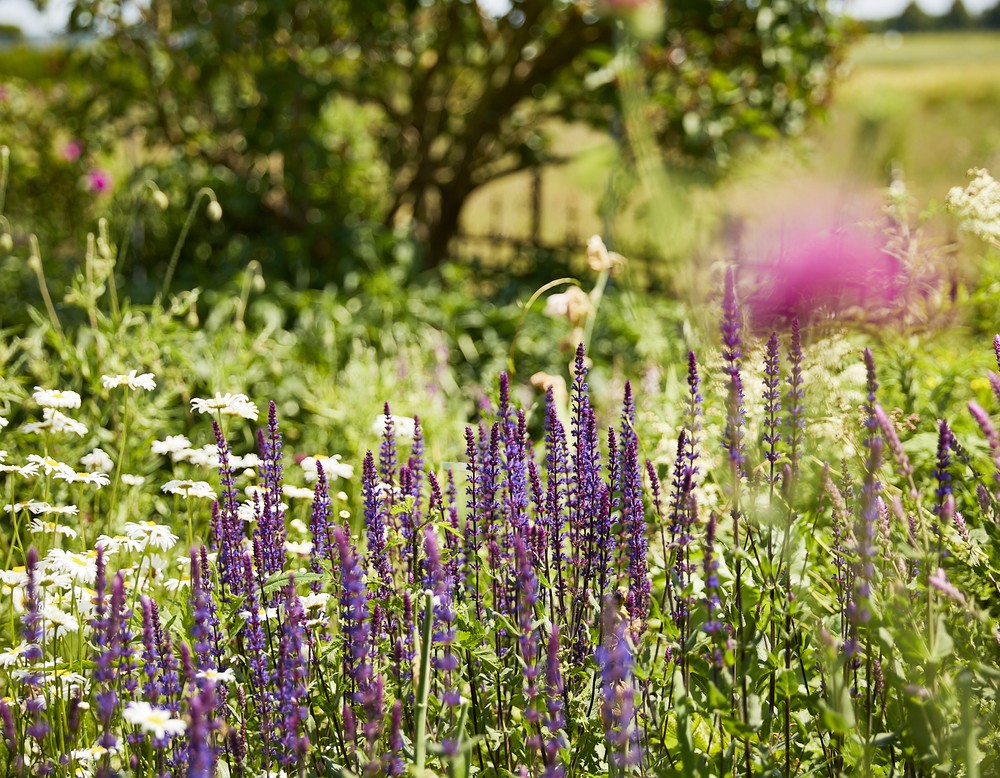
column 98, row 181
column 829, row 270
column 72, row 151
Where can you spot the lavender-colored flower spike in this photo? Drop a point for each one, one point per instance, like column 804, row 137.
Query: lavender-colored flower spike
column 634, row 517
column 694, row 412
column 356, row 626
column 270, row 534
column 395, row 766
column 375, row 522
column 439, row 582
column 555, row 718
column 994, row 383
column 292, row 678
column 229, row 528
column 618, row 704
column 527, row 585
column 201, row 752
column 732, row 344
column 796, row 416
column 150, row 653
column 892, row 440
column 996, row 348
column 713, row 604
column 772, row 404
column 942, row 465
column 202, row 614
column 992, row 439
column 105, row 626
column 387, row 455
column 319, row 528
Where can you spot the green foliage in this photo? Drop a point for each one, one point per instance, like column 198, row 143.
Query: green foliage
column 311, row 118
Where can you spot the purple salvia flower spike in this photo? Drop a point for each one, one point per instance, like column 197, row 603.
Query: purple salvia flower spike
column 229, row 533
column 732, row 345
column 555, row 719
column 387, row 454
column 202, row 753
column 395, row 766
column 319, row 528
column 942, row 464
column 150, row 653
column 356, row 622
column 891, row 437
column 794, row 399
column 634, row 519
column 694, row 412
column 375, row 525
column 292, row 680
column 992, row 440
column 527, row 586
column 618, row 704
column 772, row 405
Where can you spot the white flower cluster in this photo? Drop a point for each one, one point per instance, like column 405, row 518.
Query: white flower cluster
column 227, row 404
column 978, row 205
column 132, row 380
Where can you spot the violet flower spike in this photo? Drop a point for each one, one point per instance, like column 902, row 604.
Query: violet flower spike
column 892, row 440
column 618, row 705
column 794, row 398
column 772, row 403
column 319, row 528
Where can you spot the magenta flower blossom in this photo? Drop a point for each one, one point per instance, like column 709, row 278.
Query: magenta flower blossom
column 98, row 181
column 73, row 150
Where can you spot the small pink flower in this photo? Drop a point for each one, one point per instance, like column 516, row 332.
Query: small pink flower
column 72, row 151
column 98, row 181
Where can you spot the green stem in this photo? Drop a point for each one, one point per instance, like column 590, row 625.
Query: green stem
column 176, row 255
column 423, row 687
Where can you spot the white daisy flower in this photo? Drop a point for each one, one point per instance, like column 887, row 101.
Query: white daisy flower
column 227, row 404
column 218, row 676
column 404, row 426
column 55, row 421
column 151, row 533
column 173, row 585
column 112, row 544
column 332, row 466
column 189, row 488
column 16, row 577
column 55, row 398
column 81, row 567
column 97, row 459
column 48, row 464
column 131, row 380
column 304, row 548
column 297, row 492
column 92, row 754
column 3, row 422
column 50, row 527
column 299, row 526
column 171, row 444
column 155, row 721
column 58, row 621
column 76, row 477
column 28, row 471
column 250, row 460
column 130, row 479
column 315, row 601
column 15, row 654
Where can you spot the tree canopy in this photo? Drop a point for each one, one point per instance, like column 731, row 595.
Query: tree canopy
column 315, row 114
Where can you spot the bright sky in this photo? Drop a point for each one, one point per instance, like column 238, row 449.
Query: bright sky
column 24, row 13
